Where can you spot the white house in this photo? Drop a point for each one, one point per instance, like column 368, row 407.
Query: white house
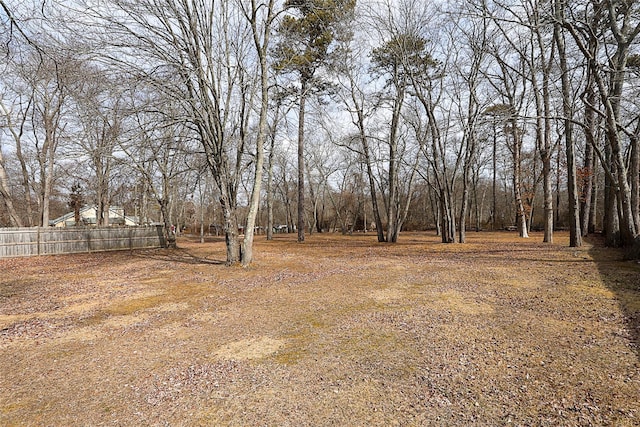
column 89, row 215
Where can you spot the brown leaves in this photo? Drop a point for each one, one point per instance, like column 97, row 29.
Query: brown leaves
column 341, row 330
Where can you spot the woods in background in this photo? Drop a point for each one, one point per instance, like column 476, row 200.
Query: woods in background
column 375, row 115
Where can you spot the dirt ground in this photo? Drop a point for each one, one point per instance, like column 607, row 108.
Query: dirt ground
column 338, row 331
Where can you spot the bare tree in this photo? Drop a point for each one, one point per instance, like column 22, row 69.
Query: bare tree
column 353, row 81
column 157, row 151
column 575, row 235
column 100, row 109
column 404, row 61
column 15, row 119
column 609, row 29
column 50, row 81
column 261, row 16
column 199, row 54
column 5, row 192
column 468, row 64
column 307, row 37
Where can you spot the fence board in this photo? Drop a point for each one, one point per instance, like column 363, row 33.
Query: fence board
column 20, row 242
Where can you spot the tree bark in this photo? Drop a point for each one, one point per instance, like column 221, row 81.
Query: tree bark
column 462, row 229
column 634, row 173
column 494, row 192
column 516, row 154
column 594, row 200
column 393, row 197
column 610, row 221
column 588, row 169
column 262, row 48
column 270, row 189
column 301, row 195
column 575, row 235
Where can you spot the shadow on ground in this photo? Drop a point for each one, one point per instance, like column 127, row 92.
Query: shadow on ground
column 180, row 256
column 622, row 277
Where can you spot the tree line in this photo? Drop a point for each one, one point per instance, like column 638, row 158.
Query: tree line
column 314, row 115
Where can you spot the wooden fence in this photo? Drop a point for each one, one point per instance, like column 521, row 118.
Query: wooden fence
column 20, row 242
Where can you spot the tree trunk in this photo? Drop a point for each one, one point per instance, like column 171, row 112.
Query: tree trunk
column 494, row 193
column 169, row 229
column 231, row 235
column 594, row 200
column 448, row 219
column 610, row 223
column 558, row 195
column 47, row 184
column 301, row 215
column 270, row 190
column 392, row 200
column 521, row 214
column 370, row 175
column 6, row 196
column 548, row 198
column 575, row 235
column 634, row 174
column 588, row 170
column 462, row 231
column 262, row 47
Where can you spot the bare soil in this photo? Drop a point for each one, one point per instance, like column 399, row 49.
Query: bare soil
column 340, row 330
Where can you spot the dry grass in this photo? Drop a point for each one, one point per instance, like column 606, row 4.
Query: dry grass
column 340, row 330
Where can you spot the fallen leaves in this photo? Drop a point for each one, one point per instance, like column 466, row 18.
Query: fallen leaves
column 340, row 330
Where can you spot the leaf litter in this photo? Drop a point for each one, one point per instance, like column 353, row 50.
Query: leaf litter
column 341, row 330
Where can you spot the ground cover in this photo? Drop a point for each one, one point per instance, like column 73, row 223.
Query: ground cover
column 340, row 330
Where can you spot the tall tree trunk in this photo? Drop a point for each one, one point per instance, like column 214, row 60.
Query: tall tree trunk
column 435, row 208
column 313, row 223
column 546, row 152
column 462, row 230
column 469, row 159
column 262, row 47
column 476, row 201
column 270, row 190
column 494, row 193
column 610, row 222
column 301, row 215
column 588, row 169
column 370, row 174
column 587, row 179
column 575, row 235
column 392, row 201
column 404, row 212
column 557, row 221
column 521, row 214
column 548, row 198
column 270, row 186
column 634, row 174
column 520, row 211
column 594, row 200
column 48, row 180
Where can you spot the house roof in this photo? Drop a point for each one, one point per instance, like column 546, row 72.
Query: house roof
column 114, row 211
